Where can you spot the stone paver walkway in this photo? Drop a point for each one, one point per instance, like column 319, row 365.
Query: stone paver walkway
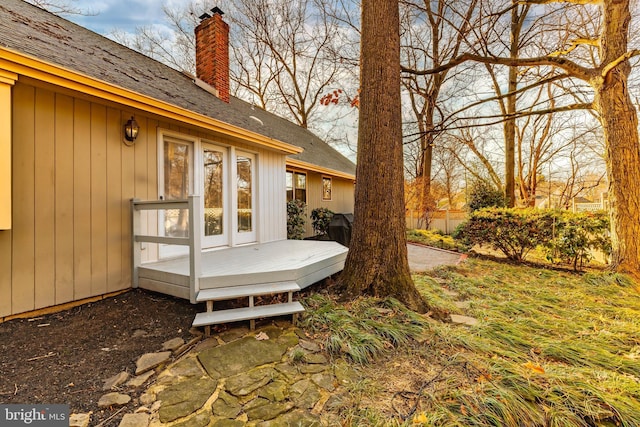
column 263, row 378
column 423, row 258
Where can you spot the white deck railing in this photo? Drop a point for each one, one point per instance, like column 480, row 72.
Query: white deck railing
column 192, row 205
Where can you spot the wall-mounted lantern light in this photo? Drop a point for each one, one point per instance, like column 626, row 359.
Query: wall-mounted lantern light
column 131, row 130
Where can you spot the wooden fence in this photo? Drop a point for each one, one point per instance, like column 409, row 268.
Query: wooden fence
column 443, row 220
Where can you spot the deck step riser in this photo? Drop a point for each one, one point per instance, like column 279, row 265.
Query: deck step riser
column 230, row 292
column 247, row 313
column 211, row 317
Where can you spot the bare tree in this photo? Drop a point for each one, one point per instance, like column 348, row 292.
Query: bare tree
column 377, row 261
column 293, row 43
column 434, row 33
column 173, row 45
column 448, row 171
column 612, row 101
column 284, row 54
column 62, row 7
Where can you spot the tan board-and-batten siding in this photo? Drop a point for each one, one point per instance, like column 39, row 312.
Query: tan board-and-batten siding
column 72, row 180
column 342, row 194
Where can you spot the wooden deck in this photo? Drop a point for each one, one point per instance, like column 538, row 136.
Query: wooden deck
column 301, row 261
column 249, row 271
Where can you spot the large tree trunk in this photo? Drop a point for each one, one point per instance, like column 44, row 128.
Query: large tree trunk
column 620, row 123
column 377, row 261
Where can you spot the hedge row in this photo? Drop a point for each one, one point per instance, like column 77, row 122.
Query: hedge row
column 565, row 236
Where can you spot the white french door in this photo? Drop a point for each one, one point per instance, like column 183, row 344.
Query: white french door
column 224, row 177
column 175, row 183
column 215, row 195
column 245, row 213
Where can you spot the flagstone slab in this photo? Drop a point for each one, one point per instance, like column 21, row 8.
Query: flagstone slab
column 244, row 383
column 115, row 381
column 275, row 391
column 288, row 340
column 113, row 399
column 296, row 418
column 187, row 368
column 310, row 346
column 138, row 380
column 79, row 420
column 148, row 361
column 172, row 344
column 305, row 394
column 228, row 423
column 184, row 397
column 240, row 356
column 312, row 369
column 134, row 420
column 226, row 406
column 290, row 372
column 315, row 359
column 199, row 420
column 233, row 334
column 263, row 409
column 324, row 380
column 464, row 320
column 344, row 373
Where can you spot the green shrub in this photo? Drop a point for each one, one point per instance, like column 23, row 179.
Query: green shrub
column 320, row 219
column 483, row 194
column 295, row 219
column 436, row 239
column 514, row 232
column 577, row 235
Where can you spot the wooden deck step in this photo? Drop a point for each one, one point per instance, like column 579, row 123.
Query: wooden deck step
column 246, row 313
column 217, row 294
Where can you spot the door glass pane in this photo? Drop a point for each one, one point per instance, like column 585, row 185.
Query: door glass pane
column 301, row 187
column 289, row 186
column 176, row 186
column 213, row 192
column 244, row 194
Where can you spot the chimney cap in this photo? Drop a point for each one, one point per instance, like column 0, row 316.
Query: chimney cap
column 217, row 10
column 204, row 16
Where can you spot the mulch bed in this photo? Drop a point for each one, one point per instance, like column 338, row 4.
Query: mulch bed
column 65, row 357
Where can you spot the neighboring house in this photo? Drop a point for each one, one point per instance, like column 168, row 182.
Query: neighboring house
column 67, row 174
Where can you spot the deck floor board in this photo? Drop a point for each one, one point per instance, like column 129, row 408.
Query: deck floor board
column 285, row 260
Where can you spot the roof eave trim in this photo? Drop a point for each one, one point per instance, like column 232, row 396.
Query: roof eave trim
column 28, row 66
column 294, row 163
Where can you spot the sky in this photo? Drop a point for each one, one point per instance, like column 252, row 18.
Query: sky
column 124, row 15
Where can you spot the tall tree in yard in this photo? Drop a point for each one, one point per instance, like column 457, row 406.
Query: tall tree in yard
column 612, row 103
column 377, row 262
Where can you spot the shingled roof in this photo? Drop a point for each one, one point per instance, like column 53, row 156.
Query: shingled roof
column 33, row 31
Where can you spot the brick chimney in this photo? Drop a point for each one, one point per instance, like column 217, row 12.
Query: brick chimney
column 212, row 52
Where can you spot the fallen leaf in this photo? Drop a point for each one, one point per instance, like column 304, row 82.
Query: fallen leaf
column 484, row 377
column 535, row 368
column 420, row 418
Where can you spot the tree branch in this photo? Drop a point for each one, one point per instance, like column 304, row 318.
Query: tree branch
column 610, row 66
column 573, row 69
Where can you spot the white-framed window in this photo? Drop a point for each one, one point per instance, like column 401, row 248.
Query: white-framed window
column 326, row 188
column 296, row 186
